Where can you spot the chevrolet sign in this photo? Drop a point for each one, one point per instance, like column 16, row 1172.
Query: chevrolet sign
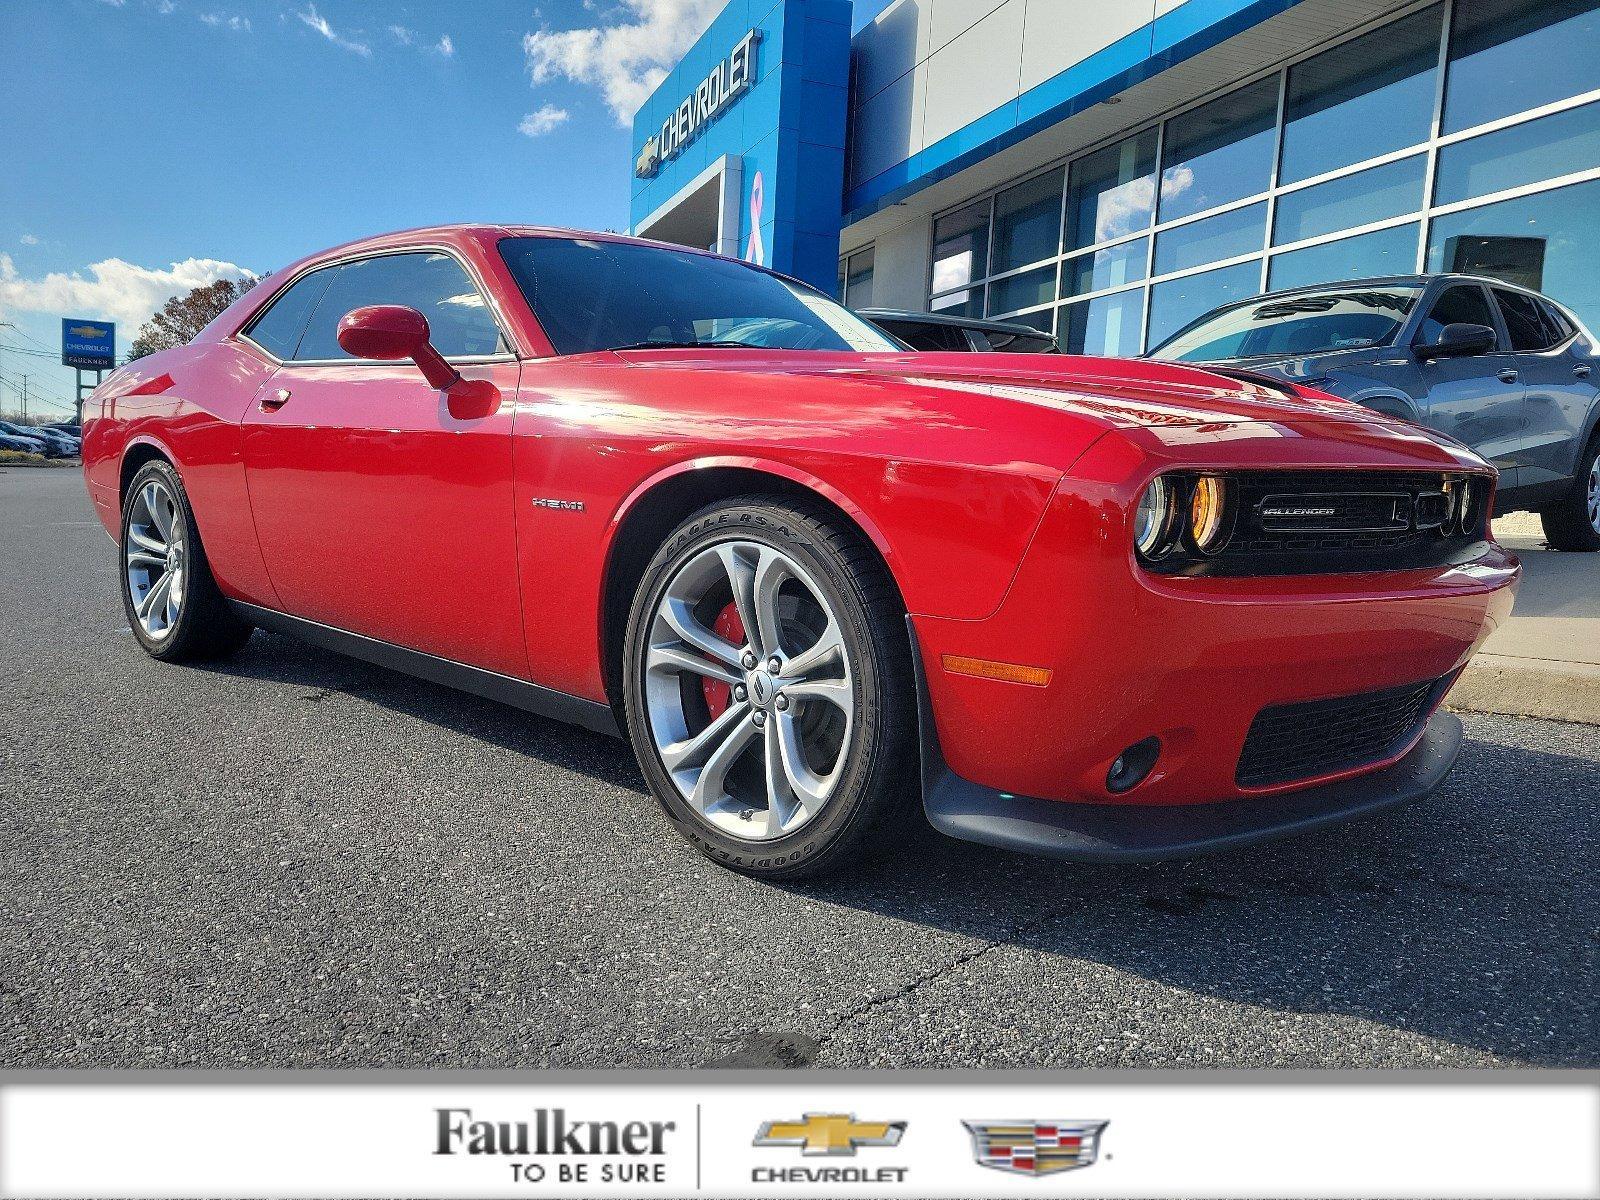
column 714, row 94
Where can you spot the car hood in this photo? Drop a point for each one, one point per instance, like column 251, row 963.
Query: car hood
column 1116, row 392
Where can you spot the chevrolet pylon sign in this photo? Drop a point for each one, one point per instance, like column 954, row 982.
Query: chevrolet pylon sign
column 712, row 96
column 91, row 345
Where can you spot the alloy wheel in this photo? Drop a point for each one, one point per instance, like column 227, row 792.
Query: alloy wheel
column 1594, row 493
column 748, row 690
column 155, row 559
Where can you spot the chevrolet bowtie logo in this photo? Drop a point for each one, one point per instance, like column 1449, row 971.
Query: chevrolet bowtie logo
column 88, row 331
column 830, row 1133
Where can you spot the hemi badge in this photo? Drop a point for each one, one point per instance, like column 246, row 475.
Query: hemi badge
column 563, row 505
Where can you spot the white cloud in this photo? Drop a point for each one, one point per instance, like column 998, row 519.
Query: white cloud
column 166, row 8
column 446, row 47
column 113, row 3
column 542, row 120
column 29, row 240
column 218, row 21
column 112, row 290
column 402, row 35
column 315, row 20
column 627, row 59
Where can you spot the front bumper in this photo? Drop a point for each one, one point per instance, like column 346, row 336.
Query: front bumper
column 1120, row 833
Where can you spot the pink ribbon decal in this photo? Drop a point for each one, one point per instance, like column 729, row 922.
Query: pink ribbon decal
column 754, row 251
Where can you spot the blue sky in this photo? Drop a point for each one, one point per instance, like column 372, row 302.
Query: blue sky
column 151, row 145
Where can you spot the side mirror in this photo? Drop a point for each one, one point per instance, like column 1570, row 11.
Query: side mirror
column 1457, row 340
column 390, row 332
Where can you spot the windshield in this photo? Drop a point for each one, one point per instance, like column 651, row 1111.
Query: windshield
column 1302, row 323
column 601, row 295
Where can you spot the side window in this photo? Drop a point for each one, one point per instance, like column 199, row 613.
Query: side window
column 277, row 331
column 1463, row 304
column 432, row 283
column 1525, row 321
column 1557, row 320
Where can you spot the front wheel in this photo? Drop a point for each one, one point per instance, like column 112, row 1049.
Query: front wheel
column 1573, row 522
column 768, row 690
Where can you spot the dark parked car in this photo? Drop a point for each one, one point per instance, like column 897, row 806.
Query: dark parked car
column 1507, row 371
column 66, row 427
column 54, row 445
column 937, row 331
column 25, row 445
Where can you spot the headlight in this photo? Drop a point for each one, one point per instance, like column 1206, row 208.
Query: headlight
column 1474, row 494
column 1152, row 522
column 1210, row 518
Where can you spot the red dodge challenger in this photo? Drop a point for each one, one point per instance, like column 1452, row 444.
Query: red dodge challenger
column 1102, row 610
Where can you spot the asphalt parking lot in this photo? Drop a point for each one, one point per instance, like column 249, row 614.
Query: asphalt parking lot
column 295, row 860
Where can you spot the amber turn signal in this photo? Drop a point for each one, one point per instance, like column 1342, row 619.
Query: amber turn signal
column 983, row 668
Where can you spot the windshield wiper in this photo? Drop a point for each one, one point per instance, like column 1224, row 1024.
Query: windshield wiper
column 684, row 346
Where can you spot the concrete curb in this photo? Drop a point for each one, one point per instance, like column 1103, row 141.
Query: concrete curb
column 1529, row 687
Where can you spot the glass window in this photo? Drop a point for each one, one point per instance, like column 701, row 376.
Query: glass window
column 1178, row 301
column 278, row 330
column 1102, row 269
column 1383, row 252
column 1507, row 56
column 1219, row 152
column 1023, row 291
column 597, row 295
column 929, row 336
column 1560, row 144
column 459, row 322
column 1367, row 97
column 1527, row 323
column 961, row 247
column 1306, row 323
column 1350, row 200
column 858, row 279
column 1027, row 223
column 965, row 303
column 1464, row 304
column 1226, row 235
column 1112, row 192
column 1545, row 243
column 1107, row 325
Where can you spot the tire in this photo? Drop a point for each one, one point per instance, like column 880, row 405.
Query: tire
column 161, row 548
column 1573, row 522
column 832, row 731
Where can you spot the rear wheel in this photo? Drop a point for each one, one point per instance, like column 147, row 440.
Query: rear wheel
column 767, row 687
column 174, row 608
column 1573, row 522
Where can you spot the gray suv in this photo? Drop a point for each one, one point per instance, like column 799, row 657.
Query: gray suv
column 1505, row 370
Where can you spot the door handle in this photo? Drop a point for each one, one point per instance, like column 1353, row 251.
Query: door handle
column 1507, row 376
column 275, row 401
column 1581, row 371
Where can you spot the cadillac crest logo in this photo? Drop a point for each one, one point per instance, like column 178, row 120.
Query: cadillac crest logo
column 1035, row 1147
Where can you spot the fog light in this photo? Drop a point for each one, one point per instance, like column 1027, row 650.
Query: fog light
column 1133, row 765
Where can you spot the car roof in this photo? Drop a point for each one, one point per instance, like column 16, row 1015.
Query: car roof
column 1016, row 328
column 1372, row 281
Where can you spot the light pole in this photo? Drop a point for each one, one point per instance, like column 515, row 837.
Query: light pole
column 5, row 325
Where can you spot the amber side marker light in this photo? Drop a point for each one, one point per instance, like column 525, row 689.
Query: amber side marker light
column 983, row 668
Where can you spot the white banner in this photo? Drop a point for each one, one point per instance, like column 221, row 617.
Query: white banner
column 803, row 1138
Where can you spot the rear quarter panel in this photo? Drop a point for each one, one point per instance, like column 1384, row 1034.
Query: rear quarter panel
column 186, row 404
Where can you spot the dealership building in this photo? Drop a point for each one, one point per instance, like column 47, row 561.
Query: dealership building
column 1110, row 169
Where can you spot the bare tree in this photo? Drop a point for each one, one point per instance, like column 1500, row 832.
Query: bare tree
column 184, row 316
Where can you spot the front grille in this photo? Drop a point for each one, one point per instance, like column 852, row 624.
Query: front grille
column 1291, row 742
column 1311, row 521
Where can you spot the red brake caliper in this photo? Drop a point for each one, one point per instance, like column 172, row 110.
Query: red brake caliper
column 718, row 694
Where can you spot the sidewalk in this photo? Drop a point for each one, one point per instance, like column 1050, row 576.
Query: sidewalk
column 1545, row 661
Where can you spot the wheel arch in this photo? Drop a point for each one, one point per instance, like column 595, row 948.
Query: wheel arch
column 1392, row 404
column 137, row 454
column 664, row 501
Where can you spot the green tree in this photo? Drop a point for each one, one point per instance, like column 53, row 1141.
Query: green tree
column 181, row 317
